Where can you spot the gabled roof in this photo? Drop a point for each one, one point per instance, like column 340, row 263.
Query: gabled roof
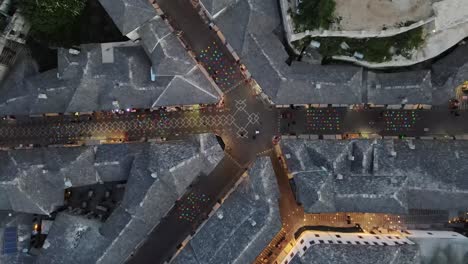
column 128, row 15
column 449, row 65
column 330, row 84
column 33, row 181
column 267, row 74
column 411, row 87
column 104, row 73
column 242, row 17
column 215, row 6
column 158, row 175
column 378, row 176
column 383, row 194
column 184, row 91
column 315, row 190
column 165, row 51
column 69, row 235
column 234, row 22
column 26, row 188
column 448, row 73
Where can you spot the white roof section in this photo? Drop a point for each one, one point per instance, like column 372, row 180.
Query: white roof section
column 450, row 13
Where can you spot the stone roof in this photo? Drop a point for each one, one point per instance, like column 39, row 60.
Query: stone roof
column 165, row 51
column 251, row 27
column 412, row 87
column 378, row 176
column 381, row 194
column 128, row 15
column 101, row 75
column 247, row 17
column 448, row 73
column 68, row 236
column 447, row 66
column 243, row 225
column 192, row 89
column 330, row 84
column 330, row 254
column 184, row 82
column 235, row 21
column 157, row 177
column 215, row 6
column 114, row 75
column 265, row 73
column 24, row 67
column 33, row 181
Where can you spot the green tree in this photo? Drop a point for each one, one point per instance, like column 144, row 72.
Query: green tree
column 52, row 20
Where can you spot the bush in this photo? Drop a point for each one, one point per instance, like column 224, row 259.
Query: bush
column 52, row 20
column 373, row 49
column 314, row 14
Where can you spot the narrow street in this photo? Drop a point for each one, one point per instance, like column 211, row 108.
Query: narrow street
column 173, row 228
column 238, row 120
column 380, row 122
column 248, row 133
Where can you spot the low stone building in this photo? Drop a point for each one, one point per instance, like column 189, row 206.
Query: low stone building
column 34, row 180
column 157, row 175
column 380, row 176
column 103, row 77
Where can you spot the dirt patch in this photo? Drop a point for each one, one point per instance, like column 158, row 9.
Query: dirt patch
column 380, row 14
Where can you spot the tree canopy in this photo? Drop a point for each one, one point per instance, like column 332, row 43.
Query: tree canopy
column 51, row 19
column 314, row 14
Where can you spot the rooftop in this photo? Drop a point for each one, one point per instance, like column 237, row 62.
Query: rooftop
column 128, row 15
column 413, row 87
column 165, row 51
column 325, row 254
column 313, row 83
column 153, row 71
column 216, row 6
column 378, row 175
column 157, row 176
column 448, row 73
column 118, row 75
column 34, row 180
column 254, row 36
column 104, row 77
